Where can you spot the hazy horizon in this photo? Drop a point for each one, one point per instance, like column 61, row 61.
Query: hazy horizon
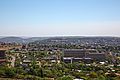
column 59, row 36
column 38, row 18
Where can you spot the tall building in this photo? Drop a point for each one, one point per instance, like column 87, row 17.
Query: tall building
column 2, row 56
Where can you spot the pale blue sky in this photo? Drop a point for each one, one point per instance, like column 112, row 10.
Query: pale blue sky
column 59, row 17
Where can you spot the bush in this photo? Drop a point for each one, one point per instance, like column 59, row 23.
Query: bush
column 93, row 75
column 2, row 73
column 66, row 78
column 10, row 73
column 20, row 76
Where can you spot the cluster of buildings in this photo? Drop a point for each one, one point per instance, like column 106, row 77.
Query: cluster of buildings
column 67, row 56
column 4, row 47
column 85, row 55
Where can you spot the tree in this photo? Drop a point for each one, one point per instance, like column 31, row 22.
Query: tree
column 66, row 78
column 93, row 75
column 2, row 73
column 101, row 77
column 9, row 72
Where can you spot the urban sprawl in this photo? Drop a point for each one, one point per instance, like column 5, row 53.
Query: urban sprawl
column 60, row 58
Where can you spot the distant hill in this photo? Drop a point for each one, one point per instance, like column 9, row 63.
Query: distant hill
column 64, row 40
column 12, row 39
column 81, row 40
column 21, row 40
column 32, row 39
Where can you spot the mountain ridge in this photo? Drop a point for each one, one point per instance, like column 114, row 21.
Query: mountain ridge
column 12, row 39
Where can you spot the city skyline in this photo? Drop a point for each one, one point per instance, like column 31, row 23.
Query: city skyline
column 60, row 18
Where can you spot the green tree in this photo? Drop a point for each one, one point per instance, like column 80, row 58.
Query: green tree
column 101, row 77
column 10, row 72
column 93, row 75
column 66, row 78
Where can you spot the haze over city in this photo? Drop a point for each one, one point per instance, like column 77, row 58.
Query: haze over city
column 59, row 18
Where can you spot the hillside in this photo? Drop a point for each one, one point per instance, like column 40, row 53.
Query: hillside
column 21, row 40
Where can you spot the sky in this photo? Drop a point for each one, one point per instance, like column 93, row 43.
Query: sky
column 60, row 18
